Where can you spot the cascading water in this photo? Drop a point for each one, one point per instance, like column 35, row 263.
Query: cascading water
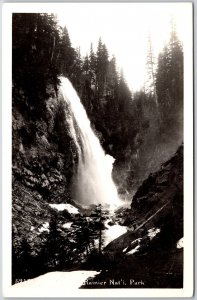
column 93, row 181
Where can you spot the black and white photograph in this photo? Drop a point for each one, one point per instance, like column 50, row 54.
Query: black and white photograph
column 101, row 179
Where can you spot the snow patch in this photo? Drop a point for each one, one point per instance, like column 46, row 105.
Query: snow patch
column 70, row 208
column 180, row 243
column 113, row 232
column 45, row 227
column 153, row 232
column 67, row 225
column 53, row 284
column 137, row 240
column 136, row 249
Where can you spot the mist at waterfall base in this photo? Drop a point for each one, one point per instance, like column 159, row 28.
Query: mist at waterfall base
column 92, row 183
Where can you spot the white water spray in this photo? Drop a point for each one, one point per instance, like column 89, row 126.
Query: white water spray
column 93, row 181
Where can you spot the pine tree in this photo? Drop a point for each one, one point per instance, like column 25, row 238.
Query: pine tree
column 124, row 95
column 67, row 54
column 101, row 69
column 77, row 70
column 169, row 78
column 150, row 85
column 86, row 66
column 99, row 215
column 35, row 45
column 176, row 55
column 169, row 86
column 92, row 57
column 112, row 78
column 54, row 247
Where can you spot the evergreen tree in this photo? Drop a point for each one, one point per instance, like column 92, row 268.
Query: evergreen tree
column 76, row 76
column 124, row 95
column 99, row 216
column 150, row 85
column 86, row 66
column 112, row 78
column 35, row 49
column 54, row 249
column 169, row 82
column 92, row 57
column 176, row 76
column 66, row 53
column 101, row 69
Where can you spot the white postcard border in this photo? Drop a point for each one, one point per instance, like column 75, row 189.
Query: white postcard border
column 187, row 291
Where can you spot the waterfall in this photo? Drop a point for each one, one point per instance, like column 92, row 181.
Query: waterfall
column 93, row 183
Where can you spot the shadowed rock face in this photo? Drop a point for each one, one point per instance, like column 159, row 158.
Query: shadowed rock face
column 157, row 203
column 148, row 253
column 168, row 179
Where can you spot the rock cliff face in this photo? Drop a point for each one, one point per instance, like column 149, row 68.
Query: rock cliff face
column 150, row 253
column 43, row 159
column 158, row 203
column 160, row 198
column 43, row 151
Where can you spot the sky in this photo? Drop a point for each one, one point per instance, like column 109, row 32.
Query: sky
column 124, row 28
